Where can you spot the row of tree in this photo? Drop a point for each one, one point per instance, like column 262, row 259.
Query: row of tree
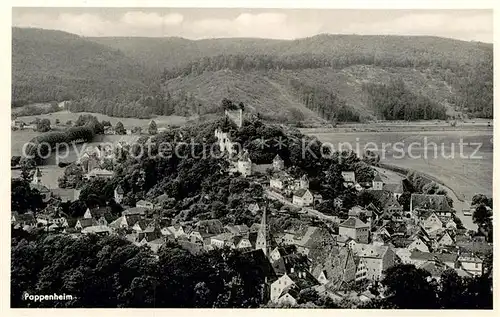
column 84, row 129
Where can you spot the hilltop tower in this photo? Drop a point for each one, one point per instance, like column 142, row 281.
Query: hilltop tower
column 37, row 177
column 263, row 237
column 234, row 112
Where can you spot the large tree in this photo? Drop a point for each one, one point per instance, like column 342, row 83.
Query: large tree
column 153, row 129
column 24, row 198
column 407, row 287
column 119, row 128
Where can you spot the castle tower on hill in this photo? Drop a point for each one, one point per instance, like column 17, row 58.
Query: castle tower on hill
column 236, row 116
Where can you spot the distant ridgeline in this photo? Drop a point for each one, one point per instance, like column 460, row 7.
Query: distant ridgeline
column 331, row 77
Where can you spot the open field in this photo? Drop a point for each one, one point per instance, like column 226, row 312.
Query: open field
column 476, row 124
column 128, row 123
column 466, row 171
column 50, row 171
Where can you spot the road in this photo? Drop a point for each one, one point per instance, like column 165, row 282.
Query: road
column 458, row 204
column 273, row 195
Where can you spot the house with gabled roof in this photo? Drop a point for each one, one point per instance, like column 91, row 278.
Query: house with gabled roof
column 98, row 230
column 101, row 214
column 304, row 182
column 420, row 240
column 302, row 197
column 26, row 219
column 387, row 200
column 148, row 234
column 377, row 182
column 140, row 226
column 281, row 251
column 356, row 229
column 83, row 223
column 428, row 219
column 237, row 229
column 444, row 239
column 290, row 263
column 361, row 269
column 298, row 280
column 176, row 231
column 336, row 268
column 210, row 226
column 125, row 221
column 377, row 259
column 279, row 180
column 471, row 263
column 449, row 259
column 434, row 268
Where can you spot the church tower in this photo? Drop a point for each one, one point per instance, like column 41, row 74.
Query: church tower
column 263, row 237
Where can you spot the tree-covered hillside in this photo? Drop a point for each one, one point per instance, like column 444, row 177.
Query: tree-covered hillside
column 53, row 65
column 313, row 80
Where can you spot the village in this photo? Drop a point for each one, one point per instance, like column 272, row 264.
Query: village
column 339, row 257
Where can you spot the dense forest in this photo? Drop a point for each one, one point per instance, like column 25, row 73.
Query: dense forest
column 57, row 66
column 110, row 272
column 325, row 103
column 177, row 76
column 396, row 102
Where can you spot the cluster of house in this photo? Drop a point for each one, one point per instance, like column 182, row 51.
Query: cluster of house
column 373, row 239
column 367, row 243
column 63, row 194
column 282, row 183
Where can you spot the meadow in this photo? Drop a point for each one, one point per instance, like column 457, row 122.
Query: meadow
column 50, row 171
column 466, row 172
column 128, row 123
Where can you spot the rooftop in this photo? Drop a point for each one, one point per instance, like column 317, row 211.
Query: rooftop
column 353, row 222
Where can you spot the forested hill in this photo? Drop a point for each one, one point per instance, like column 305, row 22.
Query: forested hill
column 325, row 78
column 300, row 78
column 53, row 65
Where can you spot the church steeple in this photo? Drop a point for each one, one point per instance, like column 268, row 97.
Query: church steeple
column 263, row 237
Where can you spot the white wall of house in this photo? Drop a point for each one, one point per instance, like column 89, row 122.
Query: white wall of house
column 276, row 183
column 278, row 286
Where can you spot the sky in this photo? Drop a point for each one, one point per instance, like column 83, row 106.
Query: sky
column 469, row 25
